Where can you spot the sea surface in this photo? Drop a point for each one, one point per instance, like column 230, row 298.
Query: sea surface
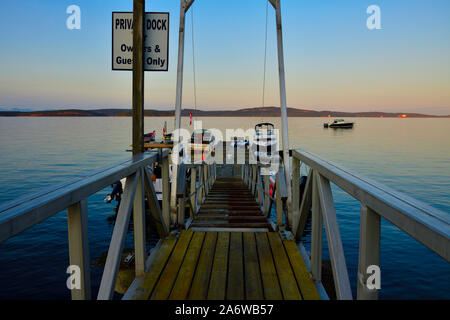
column 409, row 155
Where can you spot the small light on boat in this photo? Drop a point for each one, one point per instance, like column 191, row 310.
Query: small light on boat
column 403, row 116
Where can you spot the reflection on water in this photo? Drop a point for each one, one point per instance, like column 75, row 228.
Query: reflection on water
column 409, row 155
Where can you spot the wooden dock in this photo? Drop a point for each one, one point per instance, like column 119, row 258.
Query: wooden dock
column 229, row 252
column 218, row 240
column 227, row 266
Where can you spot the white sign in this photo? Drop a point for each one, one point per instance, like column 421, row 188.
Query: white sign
column 156, row 41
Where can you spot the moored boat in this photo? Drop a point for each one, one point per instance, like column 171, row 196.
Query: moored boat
column 339, row 123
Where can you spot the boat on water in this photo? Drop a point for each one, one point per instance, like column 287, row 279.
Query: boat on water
column 339, row 124
column 265, row 142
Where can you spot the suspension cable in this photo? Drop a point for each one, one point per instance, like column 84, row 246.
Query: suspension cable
column 265, row 56
column 193, row 63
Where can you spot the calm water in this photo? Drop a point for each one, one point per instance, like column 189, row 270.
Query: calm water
column 410, row 155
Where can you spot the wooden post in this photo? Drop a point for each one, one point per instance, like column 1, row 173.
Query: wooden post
column 139, row 226
column 192, row 191
column 369, row 250
column 303, row 214
column 138, row 76
column 77, row 222
column 316, row 234
column 335, row 248
column 279, row 202
column 112, row 264
column 205, row 179
column 293, row 209
column 153, row 204
column 200, row 189
column 267, row 196
column 254, row 179
column 166, row 192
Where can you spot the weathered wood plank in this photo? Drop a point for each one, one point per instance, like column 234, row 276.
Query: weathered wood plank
column 303, row 277
column 200, row 284
column 218, row 283
column 269, row 277
column 253, row 285
column 156, row 268
column 288, row 283
column 186, row 274
column 235, row 288
column 165, row 283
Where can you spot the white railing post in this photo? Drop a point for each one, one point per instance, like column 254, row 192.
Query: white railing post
column 338, row 264
column 316, row 234
column 112, row 264
column 166, row 192
column 139, row 226
column 193, row 190
column 369, row 251
column 267, row 199
column 153, row 204
column 254, row 177
column 77, row 222
column 294, row 207
column 278, row 201
column 304, row 210
column 201, row 187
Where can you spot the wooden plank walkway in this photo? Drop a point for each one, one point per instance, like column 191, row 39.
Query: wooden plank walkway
column 228, row 206
column 227, row 266
column 230, row 252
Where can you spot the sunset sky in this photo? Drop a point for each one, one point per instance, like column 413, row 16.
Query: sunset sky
column 333, row 62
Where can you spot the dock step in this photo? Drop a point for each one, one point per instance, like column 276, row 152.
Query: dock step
column 230, row 206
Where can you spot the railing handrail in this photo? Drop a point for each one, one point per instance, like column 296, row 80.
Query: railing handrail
column 424, row 223
column 20, row 214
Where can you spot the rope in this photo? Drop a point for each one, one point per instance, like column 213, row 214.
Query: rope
column 193, row 63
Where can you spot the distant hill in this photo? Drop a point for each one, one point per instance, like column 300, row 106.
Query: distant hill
column 249, row 112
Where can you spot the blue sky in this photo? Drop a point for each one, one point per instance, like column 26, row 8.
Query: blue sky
column 333, row 62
